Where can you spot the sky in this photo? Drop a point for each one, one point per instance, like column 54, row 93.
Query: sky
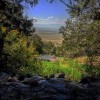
column 48, row 15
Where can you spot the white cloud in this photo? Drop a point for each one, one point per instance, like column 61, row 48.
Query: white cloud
column 50, row 17
column 34, row 18
column 50, row 20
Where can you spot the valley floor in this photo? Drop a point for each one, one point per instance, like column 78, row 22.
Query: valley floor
column 54, row 38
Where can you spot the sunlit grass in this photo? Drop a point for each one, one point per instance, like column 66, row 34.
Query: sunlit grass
column 72, row 69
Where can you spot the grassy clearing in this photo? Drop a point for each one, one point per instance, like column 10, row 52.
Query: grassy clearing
column 70, row 67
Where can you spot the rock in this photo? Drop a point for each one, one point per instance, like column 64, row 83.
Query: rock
column 13, row 79
column 50, row 90
column 28, row 75
column 37, row 78
column 88, row 80
column 52, row 97
column 30, row 81
column 67, row 77
column 39, row 88
column 60, row 75
column 13, row 74
column 4, row 77
column 21, row 77
column 52, row 76
column 85, row 80
column 14, row 91
column 58, row 85
column 76, row 88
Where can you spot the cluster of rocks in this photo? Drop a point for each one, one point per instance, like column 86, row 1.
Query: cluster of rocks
column 15, row 87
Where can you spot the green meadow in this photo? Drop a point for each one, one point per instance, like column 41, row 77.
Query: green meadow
column 72, row 69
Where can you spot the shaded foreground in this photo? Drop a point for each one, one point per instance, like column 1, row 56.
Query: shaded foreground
column 16, row 87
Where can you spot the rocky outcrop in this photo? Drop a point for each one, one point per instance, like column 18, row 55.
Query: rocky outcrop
column 40, row 88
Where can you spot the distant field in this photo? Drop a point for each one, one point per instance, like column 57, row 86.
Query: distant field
column 53, row 37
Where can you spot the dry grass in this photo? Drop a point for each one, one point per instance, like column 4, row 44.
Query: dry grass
column 83, row 60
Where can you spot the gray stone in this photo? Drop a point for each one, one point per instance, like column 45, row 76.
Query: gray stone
column 30, row 81
column 38, row 88
column 60, row 75
column 4, row 77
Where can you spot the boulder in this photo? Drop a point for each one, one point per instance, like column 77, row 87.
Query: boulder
column 60, row 75
column 39, row 88
column 21, row 77
column 4, row 77
column 30, row 81
column 52, row 76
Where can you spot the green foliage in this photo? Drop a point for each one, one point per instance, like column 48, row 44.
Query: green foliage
column 81, row 33
column 81, row 37
column 15, row 48
column 37, row 42
column 49, row 48
column 2, row 36
column 59, row 51
column 11, row 15
column 32, row 68
column 93, row 71
column 86, row 8
column 20, row 49
column 73, row 70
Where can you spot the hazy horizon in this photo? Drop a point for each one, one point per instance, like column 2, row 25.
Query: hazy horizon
column 47, row 28
column 49, row 16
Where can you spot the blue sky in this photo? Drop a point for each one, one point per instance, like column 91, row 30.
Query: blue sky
column 48, row 14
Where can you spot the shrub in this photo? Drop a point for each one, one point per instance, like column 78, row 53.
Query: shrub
column 20, row 49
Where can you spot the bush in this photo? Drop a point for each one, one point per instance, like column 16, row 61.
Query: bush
column 20, row 49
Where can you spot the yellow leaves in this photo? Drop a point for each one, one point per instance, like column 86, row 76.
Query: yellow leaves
column 4, row 29
column 19, row 46
column 22, row 41
column 82, row 59
column 26, row 44
column 14, row 31
column 30, row 49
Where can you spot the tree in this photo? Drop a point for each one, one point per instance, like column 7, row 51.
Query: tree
column 11, row 17
column 81, row 33
column 20, row 49
column 81, row 37
column 76, row 8
column 49, row 48
column 37, row 43
column 87, row 8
